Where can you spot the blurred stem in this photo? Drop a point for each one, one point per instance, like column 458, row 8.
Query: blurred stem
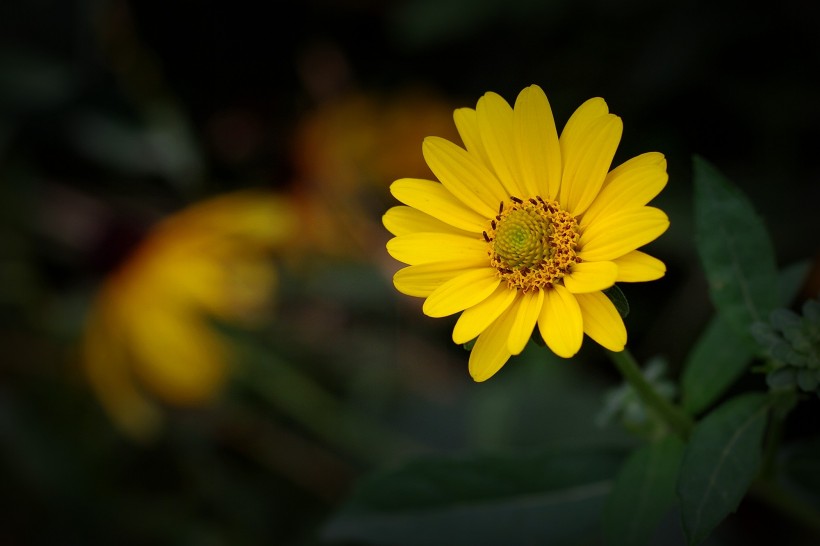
column 305, row 401
column 672, row 415
column 789, row 505
column 782, row 404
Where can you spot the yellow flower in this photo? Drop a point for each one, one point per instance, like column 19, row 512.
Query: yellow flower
column 149, row 333
column 526, row 228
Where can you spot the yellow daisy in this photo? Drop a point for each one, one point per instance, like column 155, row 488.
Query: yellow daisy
column 149, row 340
column 527, row 229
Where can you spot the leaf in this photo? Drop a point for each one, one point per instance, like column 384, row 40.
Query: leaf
column 553, row 497
column 643, row 493
column 618, row 298
column 716, row 361
column 720, row 356
column 720, row 462
column 735, row 250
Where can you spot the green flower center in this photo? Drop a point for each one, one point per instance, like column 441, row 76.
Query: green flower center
column 532, row 243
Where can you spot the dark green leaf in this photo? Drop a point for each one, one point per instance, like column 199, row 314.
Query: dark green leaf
column 717, row 360
column 617, row 297
column 721, row 356
column 644, row 491
column 735, row 250
column 546, row 498
column 720, row 462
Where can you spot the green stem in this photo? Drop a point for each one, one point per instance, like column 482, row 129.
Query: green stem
column 672, row 415
column 303, row 399
column 793, row 507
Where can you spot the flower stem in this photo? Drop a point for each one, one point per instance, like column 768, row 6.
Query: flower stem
column 672, row 415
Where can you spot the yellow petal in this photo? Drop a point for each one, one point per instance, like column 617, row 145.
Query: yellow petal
column 421, row 248
column 467, row 125
column 460, row 292
column 591, row 277
column 536, row 140
column 255, row 215
column 464, row 176
column 434, row 199
column 490, row 351
column 632, row 184
column 528, row 309
column 401, row 220
column 618, row 234
column 602, row 322
column 421, row 280
column 495, row 123
column 106, row 365
column 176, row 354
column 560, row 322
column 477, row 318
column 638, row 266
column 586, row 158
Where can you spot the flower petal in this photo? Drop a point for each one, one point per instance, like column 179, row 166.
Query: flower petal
column 467, row 124
column 461, row 292
column 495, row 123
column 490, row 351
column 591, row 277
column 528, row 310
column 588, row 145
column 638, row 266
column 106, row 364
column 463, row 174
column 434, row 199
column 425, row 247
column 620, row 233
column 602, row 322
column 477, row 318
column 560, row 322
column 421, row 280
column 166, row 341
column 536, row 140
column 401, row 220
column 632, row 184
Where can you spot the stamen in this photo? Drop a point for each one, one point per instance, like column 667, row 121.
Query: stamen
column 532, row 243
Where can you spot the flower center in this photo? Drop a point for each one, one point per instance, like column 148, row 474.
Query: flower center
column 532, row 243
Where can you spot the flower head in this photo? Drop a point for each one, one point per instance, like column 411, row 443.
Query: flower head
column 149, row 335
column 525, row 229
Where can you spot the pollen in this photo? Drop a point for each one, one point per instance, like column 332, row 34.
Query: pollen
column 532, row 243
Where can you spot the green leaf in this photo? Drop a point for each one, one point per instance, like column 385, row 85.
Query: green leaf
column 720, row 356
column 735, row 250
column 618, row 298
column 716, row 361
column 643, row 493
column 720, row 462
column 554, row 497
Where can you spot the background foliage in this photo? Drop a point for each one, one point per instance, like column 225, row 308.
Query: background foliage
column 114, row 114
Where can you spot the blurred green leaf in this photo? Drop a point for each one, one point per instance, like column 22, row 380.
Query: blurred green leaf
column 554, row 497
column 735, row 250
column 720, row 462
column 720, row 356
column 29, row 81
column 644, row 491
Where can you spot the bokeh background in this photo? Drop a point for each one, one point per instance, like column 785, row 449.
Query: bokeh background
column 116, row 115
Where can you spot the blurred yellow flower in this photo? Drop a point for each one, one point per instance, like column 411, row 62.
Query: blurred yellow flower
column 345, row 150
column 527, row 229
column 149, row 338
